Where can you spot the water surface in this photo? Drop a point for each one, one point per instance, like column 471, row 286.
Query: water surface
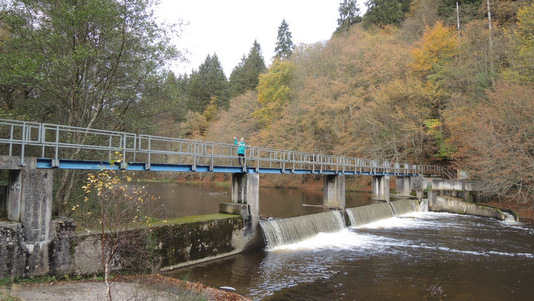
column 181, row 199
column 419, row 256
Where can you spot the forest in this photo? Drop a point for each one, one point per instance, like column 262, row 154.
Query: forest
column 439, row 82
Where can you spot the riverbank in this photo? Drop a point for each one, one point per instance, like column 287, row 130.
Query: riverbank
column 525, row 210
column 152, row 287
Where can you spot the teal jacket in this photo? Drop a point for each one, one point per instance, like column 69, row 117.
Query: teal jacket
column 242, row 146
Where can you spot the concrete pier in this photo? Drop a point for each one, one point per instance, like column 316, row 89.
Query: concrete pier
column 245, row 200
column 334, row 191
column 29, row 202
column 404, row 185
column 381, row 188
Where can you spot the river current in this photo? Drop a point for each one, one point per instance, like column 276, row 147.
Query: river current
column 418, row 256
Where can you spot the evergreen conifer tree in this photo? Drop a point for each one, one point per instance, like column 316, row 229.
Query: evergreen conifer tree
column 207, row 83
column 384, row 12
column 284, row 44
column 349, row 14
column 245, row 76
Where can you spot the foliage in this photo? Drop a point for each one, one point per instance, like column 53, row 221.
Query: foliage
column 349, row 14
column 194, row 126
column 274, row 91
column 496, row 140
column 245, row 75
column 384, row 12
column 284, row 43
column 522, row 58
column 236, row 121
column 83, row 63
column 469, row 10
column 438, row 47
column 118, row 215
column 205, row 84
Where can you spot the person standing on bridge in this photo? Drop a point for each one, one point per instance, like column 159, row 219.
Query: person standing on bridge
column 241, row 149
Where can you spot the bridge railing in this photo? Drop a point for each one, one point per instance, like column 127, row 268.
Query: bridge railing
column 20, row 138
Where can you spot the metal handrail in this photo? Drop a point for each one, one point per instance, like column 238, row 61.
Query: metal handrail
column 55, row 141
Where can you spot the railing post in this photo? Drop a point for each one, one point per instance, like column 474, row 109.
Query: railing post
column 149, row 155
column 257, row 153
column 211, row 165
column 42, row 140
column 23, row 145
column 56, row 149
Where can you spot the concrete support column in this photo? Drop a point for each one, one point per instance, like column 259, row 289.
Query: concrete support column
column 404, row 185
column 381, row 188
column 14, row 195
column 29, row 201
column 246, row 190
column 35, row 216
column 334, row 191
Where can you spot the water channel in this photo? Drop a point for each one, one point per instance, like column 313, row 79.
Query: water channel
column 418, row 256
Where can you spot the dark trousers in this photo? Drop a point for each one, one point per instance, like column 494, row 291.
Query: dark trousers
column 241, row 158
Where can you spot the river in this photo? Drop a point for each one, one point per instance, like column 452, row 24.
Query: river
column 419, row 256
column 180, row 199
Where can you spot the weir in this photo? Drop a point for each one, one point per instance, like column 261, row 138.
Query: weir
column 359, row 216
column 294, row 229
column 404, row 206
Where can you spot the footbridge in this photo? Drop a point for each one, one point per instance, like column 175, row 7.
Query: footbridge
column 31, row 151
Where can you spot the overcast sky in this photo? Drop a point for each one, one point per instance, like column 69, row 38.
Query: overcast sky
column 229, row 27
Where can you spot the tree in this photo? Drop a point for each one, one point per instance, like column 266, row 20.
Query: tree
column 496, row 141
column 438, row 47
column 273, row 91
column 385, row 12
column 284, row 44
column 116, row 215
column 522, row 54
column 245, row 76
column 349, row 14
column 205, row 84
column 80, row 63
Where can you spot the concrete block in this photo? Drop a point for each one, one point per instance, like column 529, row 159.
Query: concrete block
column 233, row 208
column 334, row 191
column 381, row 188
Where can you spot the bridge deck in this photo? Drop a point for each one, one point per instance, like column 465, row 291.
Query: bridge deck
column 45, row 163
column 66, row 147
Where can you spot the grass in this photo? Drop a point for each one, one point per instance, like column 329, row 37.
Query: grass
column 192, row 219
column 171, row 221
column 33, row 279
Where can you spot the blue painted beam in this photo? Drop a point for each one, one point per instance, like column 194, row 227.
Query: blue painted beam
column 44, row 163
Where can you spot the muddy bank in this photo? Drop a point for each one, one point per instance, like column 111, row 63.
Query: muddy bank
column 149, row 287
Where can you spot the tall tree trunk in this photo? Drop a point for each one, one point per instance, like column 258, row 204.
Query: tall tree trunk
column 492, row 70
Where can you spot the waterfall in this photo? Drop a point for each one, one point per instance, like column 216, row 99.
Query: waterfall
column 509, row 217
column 404, row 206
column 370, row 213
column 294, row 229
column 423, row 206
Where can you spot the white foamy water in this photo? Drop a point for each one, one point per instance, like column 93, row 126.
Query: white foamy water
column 373, row 237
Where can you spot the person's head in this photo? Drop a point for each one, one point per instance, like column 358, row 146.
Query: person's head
column 242, row 139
